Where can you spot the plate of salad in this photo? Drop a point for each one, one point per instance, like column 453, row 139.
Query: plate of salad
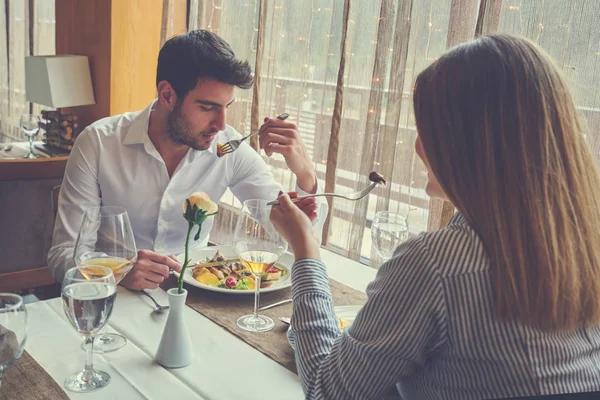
column 218, row 269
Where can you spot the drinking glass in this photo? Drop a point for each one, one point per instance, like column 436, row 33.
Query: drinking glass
column 30, row 125
column 388, row 231
column 88, row 295
column 259, row 246
column 106, row 239
column 13, row 330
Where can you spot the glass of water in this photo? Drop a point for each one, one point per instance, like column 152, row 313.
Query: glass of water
column 30, row 125
column 13, row 330
column 388, row 231
column 88, row 296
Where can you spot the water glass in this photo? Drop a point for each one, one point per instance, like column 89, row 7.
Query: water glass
column 30, row 125
column 388, row 231
column 13, row 330
column 88, row 295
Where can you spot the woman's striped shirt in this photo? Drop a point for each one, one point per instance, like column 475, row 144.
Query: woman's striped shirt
column 429, row 327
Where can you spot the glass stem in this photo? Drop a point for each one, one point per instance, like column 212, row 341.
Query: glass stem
column 88, row 370
column 1, row 375
column 256, row 296
column 31, row 144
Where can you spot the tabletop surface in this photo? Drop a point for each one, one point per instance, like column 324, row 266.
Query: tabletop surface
column 225, row 367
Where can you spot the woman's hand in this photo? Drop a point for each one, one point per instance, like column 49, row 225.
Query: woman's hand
column 293, row 223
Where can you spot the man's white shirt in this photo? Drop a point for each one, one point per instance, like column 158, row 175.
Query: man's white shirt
column 114, row 163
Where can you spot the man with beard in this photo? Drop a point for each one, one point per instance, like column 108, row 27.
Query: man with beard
column 150, row 161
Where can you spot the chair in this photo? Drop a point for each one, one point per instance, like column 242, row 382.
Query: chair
column 32, row 278
column 54, row 199
column 27, row 279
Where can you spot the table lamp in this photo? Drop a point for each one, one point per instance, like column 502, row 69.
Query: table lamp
column 59, row 81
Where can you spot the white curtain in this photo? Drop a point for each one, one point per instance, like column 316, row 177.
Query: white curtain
column 23, row 32
column 371, row 126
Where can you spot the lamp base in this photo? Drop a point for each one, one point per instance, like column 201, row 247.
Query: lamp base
column 61, row 129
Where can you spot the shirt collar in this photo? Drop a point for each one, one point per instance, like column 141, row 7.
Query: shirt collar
column 137, row 133
column 458, row 219
column 138, row 130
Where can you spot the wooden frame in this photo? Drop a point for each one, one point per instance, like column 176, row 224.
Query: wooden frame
column 39, row 168
column 27, row 279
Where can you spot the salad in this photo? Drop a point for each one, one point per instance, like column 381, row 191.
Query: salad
column 232, row 274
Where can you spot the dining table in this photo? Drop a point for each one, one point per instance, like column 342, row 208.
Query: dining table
column 224, row 367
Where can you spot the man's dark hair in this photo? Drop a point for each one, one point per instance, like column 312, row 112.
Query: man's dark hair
column 185, row 59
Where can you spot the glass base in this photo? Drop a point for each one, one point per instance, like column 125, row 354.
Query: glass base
column 31, row 156
column 259, row 324
column 107, row 343
column 77, row 382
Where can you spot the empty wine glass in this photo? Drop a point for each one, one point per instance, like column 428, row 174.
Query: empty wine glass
column 88, row 296
column 259, row 246
column 30, row 125
column 106, row 238
column 388, row 231
column 13, row 330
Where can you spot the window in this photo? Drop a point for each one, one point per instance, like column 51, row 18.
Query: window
column 23, row 32
column 388, row 43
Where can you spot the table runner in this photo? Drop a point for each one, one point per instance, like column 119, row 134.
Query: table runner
column 225, row 309
column 27, row 380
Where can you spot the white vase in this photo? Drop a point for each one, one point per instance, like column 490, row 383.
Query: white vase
column 175, row 348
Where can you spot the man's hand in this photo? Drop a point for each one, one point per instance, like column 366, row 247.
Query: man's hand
column 308, row 206
column 150, row 270
column 277, row 136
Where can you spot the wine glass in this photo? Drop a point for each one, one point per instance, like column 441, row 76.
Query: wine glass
column 388, row 231
column 30, row 125
column 13, row 330
column 259, row 246
column 106, row 238
column 88, row 295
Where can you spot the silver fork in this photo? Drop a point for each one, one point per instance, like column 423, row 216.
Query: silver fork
column 348, row 196
column 233, row 145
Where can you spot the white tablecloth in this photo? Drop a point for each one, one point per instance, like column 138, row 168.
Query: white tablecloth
column 225, row 367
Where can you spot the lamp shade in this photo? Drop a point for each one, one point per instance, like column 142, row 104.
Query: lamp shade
column 58, row 81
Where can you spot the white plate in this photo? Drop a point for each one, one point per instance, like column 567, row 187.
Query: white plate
column 200, row 254
column 347, row 312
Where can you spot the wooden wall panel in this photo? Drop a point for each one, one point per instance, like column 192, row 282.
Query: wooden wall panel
column 83, row 27
column 122, row 40
column 135, row 43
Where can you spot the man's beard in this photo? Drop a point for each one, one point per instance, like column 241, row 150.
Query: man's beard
column 180, row 130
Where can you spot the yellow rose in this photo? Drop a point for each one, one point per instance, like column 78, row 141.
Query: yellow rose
column 196, row 208
column 203, row 202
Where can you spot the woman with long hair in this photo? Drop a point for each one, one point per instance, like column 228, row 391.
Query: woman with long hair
column 505, row 300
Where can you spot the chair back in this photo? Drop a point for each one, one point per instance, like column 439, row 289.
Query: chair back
column 54, row 199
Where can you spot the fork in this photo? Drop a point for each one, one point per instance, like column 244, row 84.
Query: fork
column 275, row 304
column 233, row 145
column 348, row 196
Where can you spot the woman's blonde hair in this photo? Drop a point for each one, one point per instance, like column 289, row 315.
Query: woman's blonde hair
column 501, row 134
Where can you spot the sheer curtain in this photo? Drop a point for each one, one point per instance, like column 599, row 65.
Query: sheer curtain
column 26, row 28
column 570, row 32
column 344, row 71
column 365, row 126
